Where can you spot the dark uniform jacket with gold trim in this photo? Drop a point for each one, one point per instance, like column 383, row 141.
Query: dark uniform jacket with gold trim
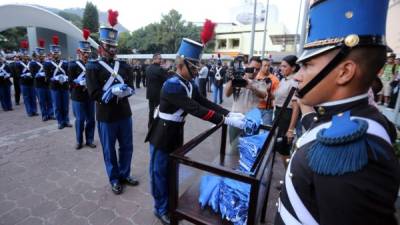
column 363, row 197
column 168, row 135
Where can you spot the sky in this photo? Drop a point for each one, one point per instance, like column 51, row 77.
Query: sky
column 134, row 14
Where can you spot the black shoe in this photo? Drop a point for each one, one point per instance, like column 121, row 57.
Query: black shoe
column 35, row 114
column 164, row 219
column 52, row 118
column 78, row 146
column 91, row 145
column 130, row 181
column 17, row 103
column 44, row 119
column 60, row 126
column 116, row 188
column 67, row 125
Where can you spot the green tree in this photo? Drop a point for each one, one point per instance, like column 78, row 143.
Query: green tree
column 90, row 18
column 10, row 38
column 165, row 36
column 124, row 47
column 73, row 18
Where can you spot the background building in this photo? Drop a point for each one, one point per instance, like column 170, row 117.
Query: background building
column 393, row 26
column 41, row 23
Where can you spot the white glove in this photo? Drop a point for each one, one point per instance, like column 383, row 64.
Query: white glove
column 82, row 82
column 235, row 122
column 116, row 91
column 238, row 115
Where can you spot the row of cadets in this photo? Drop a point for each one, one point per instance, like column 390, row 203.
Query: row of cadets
column 36, row 67
column 110, row 83
column 56, row 71
column 27, row 80
column 5, row 85
column 82, row 106
column 179, row 97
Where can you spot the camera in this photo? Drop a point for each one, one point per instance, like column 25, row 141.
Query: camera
column 238, row 72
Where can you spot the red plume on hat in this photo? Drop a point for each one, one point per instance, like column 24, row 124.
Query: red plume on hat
column 208, row 31
column 86, row 33
column 55, row 40
column 41, row 43
column 112, row 17
column 24, row 44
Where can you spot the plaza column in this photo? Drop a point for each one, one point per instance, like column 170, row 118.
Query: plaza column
column 32, row 38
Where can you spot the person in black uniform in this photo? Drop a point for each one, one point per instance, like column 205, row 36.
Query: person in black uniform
column 42, row 83
column 27, row 81
column 16, row 79
column 56, row 72
column 179, row 97
column 113, row 112
column 137, row 69
column 82, row 105
column 344, row 170
column 5, row 85
column 155, row 76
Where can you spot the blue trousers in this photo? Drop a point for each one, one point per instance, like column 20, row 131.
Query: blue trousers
column 29, row 95
column 84, row 120
column 46, row 107
column 217, row 93
column 109, row 133
column 159, row 179
column 5, row 97
column 61, row 105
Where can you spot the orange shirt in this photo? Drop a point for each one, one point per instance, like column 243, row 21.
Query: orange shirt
column 267, row 103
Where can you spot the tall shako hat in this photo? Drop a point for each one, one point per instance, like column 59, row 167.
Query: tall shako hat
column 109, row 35
column 84, row 45
column 344, row 25
column 192, row 50
column 55, row 47
column 40, row 49
column 24, row 46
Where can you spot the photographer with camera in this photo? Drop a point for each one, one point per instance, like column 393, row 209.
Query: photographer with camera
column 246, row 91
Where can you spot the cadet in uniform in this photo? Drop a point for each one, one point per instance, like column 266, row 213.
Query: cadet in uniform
column 5, row 85
column 27, row 87
column 344, row 170
column 16, row 78
column 56, row 71
column 82, row 105
column 42, row 83
column 179, row 97
column 114, row 116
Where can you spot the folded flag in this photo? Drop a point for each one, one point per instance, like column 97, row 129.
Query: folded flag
column 118, row 90
column 249, row 147
column 253, row 120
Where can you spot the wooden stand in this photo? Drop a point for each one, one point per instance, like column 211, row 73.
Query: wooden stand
column 187, row 206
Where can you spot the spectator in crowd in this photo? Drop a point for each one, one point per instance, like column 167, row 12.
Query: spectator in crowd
column 203, row 73
column 288, row 120
column 218, row 83
column 137, row 70
column 266, row 104
column 245, row 98
column 144, row 68
column 387, row 76
column 155, row 76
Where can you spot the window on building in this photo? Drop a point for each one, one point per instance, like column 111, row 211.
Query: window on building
column 235, row 43
column 222, row 43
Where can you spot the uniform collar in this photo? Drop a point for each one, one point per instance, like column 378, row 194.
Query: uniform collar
column 329, row 109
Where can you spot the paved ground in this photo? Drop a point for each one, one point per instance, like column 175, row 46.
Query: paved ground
column 43, row 180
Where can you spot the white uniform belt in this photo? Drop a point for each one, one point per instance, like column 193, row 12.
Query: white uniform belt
column 171, row 117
